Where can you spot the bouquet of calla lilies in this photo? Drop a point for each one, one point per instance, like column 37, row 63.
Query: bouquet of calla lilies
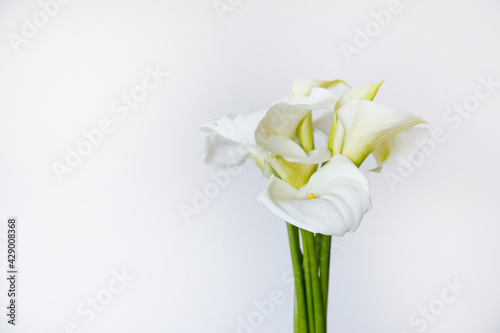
column 319, row 191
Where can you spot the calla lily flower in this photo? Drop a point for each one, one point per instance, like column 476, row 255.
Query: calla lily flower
column 279, row 136
column 366, row 92
column 341, row 199
column 399, row 149
column 364, row 125
column 379, row 129
column 277, row 131
column 231, row 140
column 269, row 136
column 320, row 192
column 395, row 151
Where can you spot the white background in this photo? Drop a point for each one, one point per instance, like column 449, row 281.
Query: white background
column 119, row 209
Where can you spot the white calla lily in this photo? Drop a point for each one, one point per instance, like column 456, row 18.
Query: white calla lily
column 239, row 128
column 390, row 148
column 364, row 125
column 395, row 151
column 366, row 92
column 277, row 131
column 277, row 135
column 342, row 198
column 401, row 148
column 222, row 152
column 266, row 134
column 311, row 190
column 232, row 139
column 283, row 118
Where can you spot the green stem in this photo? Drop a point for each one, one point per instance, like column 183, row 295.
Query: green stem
column 315, row 285
column 324, row 260
column 308, row 282
column 300, row 308
column 318, row 241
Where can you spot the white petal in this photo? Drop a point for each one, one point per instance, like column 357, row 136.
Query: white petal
column 401, row 147
column 239, row 128
column 280, row 145
column 368, row 124
column 323, row 125
column 349, row 112
column 342, row 199
column 337, row 133
column 260, row 158
column 338, row 169
column 291, row 150
column 223, row 153
column 366, row 92
column 283, row 118
column 317, row 156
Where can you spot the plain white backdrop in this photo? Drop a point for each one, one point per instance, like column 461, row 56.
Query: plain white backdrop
column 119, row 208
